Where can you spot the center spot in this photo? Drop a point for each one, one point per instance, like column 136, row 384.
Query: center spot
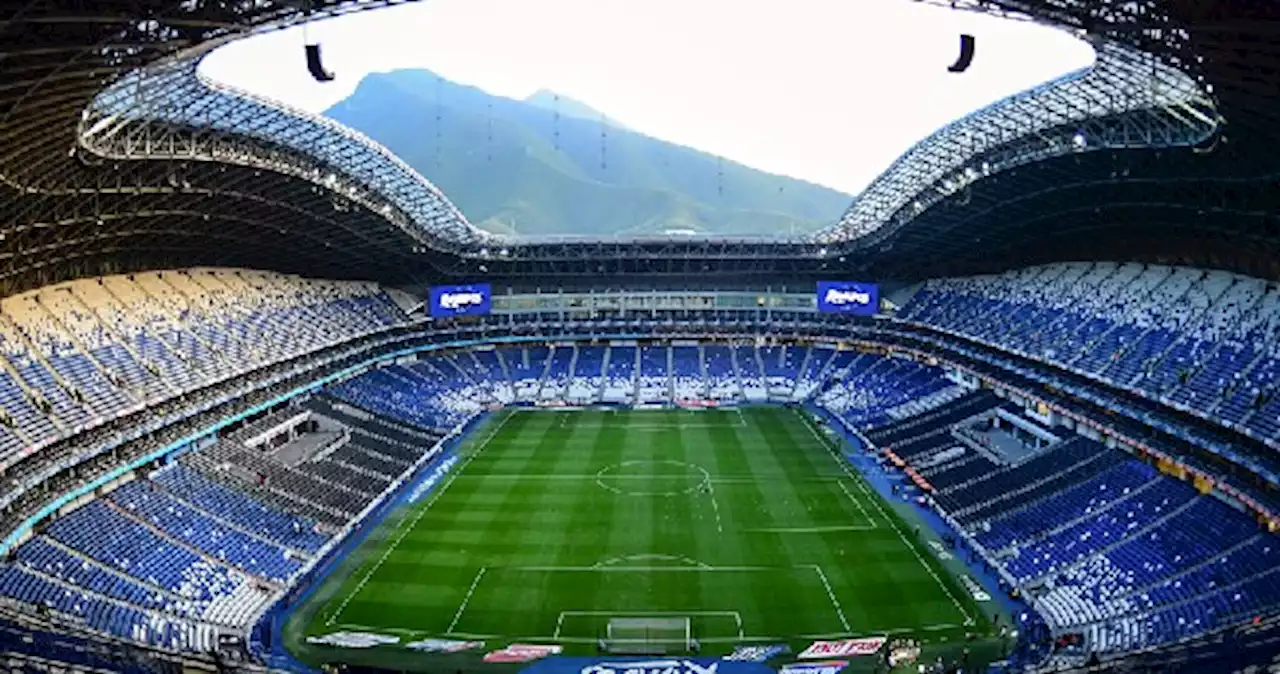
column 653, row 478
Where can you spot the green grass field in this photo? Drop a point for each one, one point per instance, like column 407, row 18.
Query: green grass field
column 747, row 523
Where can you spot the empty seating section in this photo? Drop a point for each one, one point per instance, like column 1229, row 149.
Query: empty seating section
column 587, row 379
column 653, row 383
column 619, row 373
column 79, row 353
column 526, row 367
column 871, row 384
column 813, row 373
column 943, row 416
column 555, row 379
column 1011, row 481
column 722, row 381
column 1203, row 568
column 1203, row 340
column 199, row 547
column 782, row 365
column 202, row 533
column 493, row 374
column 287, row 530
column 400, row 391
column 1038, row 517
column 1100, row 542
column 1133, row 559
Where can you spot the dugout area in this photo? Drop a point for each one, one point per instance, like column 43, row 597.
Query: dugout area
column 742, row 525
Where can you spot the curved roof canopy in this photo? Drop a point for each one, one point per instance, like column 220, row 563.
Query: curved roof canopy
column 116, row 155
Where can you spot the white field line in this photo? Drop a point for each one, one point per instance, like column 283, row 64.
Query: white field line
column 681, row 426
column 730, row 479
column 737, row 619
column 844, row 622
column 467, row 599
column 858, row 503
column 650, row 569
column 414, row 523
column 875, row 502
column 637, row 558
column 628, row 614
column 811, row 530
column 715, row 506
column 584, row 640
column 377, row 628
column 739, row 422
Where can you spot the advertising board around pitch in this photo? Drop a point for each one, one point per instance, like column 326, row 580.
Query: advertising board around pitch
column 475, row 299
column 848, row 297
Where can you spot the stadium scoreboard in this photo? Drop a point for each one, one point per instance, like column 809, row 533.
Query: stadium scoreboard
column 848, row 297
column 466, row 300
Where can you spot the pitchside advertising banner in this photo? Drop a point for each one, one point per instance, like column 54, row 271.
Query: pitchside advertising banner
column 821, row 657
column 848, row 297
column 843, row 648
column 453, row 301
column 665, row 665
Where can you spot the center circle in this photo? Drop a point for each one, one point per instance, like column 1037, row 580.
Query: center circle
column 653, row 478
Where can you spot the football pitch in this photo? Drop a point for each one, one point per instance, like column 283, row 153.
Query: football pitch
column 747, row 525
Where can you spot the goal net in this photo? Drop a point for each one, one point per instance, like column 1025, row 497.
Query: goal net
column 649, row 636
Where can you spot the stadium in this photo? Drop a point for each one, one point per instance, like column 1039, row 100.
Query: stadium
column 269, row 401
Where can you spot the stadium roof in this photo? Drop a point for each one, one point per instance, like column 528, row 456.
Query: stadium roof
column 115, row 156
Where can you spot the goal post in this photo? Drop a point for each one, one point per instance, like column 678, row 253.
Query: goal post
column 649, row 636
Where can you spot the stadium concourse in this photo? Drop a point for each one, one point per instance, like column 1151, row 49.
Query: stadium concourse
column 268, row 400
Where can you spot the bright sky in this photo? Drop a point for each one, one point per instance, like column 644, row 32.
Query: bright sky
column 831, row 91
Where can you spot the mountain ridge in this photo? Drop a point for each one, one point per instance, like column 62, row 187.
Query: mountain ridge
column 543, row 174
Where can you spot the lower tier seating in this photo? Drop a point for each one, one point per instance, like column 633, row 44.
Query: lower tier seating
column 197, row 548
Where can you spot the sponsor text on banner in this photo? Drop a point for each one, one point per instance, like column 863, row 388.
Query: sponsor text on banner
column 842, row 648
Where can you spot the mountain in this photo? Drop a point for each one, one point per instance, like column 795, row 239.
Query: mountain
column 570, row 107
column 511, row 167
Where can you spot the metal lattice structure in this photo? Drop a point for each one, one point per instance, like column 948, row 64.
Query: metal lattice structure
column 116, row 155
column 1127, row 99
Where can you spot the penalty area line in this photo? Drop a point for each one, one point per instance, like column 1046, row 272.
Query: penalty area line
column 715, row 506
column 467, row 599
column 875, row 502
column 866, row 515
column 405, row 530
column 811, row 530
column 844, row 622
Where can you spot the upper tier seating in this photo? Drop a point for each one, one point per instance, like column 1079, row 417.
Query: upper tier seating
column 1203, row 340
column 80, row 353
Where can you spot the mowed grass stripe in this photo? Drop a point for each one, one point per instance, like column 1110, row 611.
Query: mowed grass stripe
column 365, row 593
column 651, row 514
column 943, row 587
column 870, row 571
column 772, row 498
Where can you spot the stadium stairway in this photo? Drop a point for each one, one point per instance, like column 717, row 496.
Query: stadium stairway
column 604, row 375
